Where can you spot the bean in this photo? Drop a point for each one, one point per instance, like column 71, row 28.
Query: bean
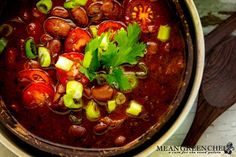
column 111, row 9
column 95, row 12
column 76, row 131
column 94, row 9
column 100, row 128
column 32, row 29
column 80, row 16
column 120, row 140
column 54, row 47
column 57, row 27
column 60, row 12
column 45, row 38
column 102, row 93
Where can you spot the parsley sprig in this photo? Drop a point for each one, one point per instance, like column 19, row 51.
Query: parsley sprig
column 110, row 55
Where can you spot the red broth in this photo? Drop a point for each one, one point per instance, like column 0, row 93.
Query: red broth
column 22, row 78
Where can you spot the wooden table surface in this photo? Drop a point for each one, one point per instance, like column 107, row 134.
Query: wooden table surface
column 223, row 129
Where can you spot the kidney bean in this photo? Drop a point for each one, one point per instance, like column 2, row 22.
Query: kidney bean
column 54, row 47
column 45, row 38
column 80, row 16
column 76, row 131
column 57, row 27
column 102, row 93
column 94, row 11
column 60, row 12
column 33, row 29
column 100, row 128
column 120, row 140
column 111, row 9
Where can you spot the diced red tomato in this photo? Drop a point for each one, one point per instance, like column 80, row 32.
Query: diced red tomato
column 143, row 13
column 77, row 40
column 110, row 26
column 74, row 73
column 28, row 76
column 37, row 95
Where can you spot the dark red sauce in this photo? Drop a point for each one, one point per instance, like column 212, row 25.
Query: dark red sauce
column 165, row 62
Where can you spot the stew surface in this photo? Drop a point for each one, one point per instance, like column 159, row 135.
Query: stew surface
column 91, row 73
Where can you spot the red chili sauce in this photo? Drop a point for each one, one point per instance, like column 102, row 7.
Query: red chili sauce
column 34, row 93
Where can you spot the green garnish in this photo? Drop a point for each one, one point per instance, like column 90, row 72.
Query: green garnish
column 109, row 55
column 128, row 48
column 64, row 63
column 69, row 102
column 30, row 49
column 3, row 44
column 75, row 89
column 111, row 106
column 118, row 79
column 44, row 6
column 163, row 33
column 5, row 30
column 92, row 111
column 134, row 108
column 44, row 57
column 72, row 98
column 74, row 3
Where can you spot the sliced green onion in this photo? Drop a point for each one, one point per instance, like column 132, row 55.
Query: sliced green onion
column 132, row 79
column 94, row 30
column 44, row 6
column 64, row 63
column 142, row 74
column 75, row 89
column 120, row 98
column 69, row 102
column 164, row 33
column 3, row 44
column 69, row 5
column 134, row 108
column 80, row 2
column 30, row 49
column 44, row 57
column 92, row 111
column 111, row 106
column 6, row 30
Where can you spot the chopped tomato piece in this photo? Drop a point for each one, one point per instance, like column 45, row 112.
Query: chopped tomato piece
column 77, row 40
column 28, row 76
column 143, row 13
column 37, row 95
column 74, row 72
column 110, row 26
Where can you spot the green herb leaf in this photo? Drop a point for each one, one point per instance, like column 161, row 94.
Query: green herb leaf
column 91, row 75
column 118, row 79
column 128, row 48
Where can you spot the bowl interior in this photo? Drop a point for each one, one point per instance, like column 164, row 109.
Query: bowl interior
column 153, row 134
